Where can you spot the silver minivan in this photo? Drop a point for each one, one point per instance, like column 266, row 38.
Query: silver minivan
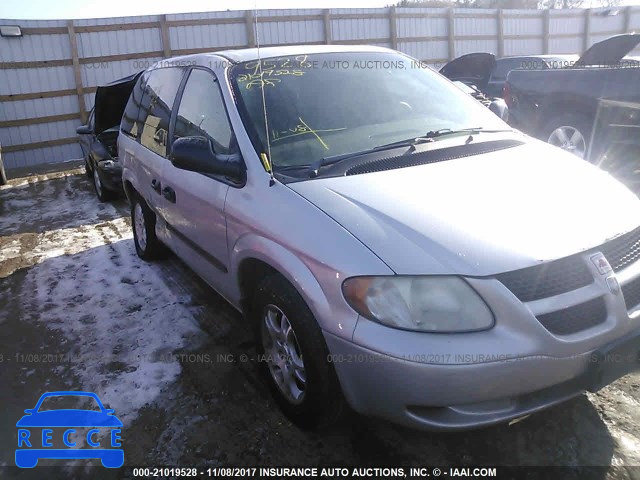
column 396, row 246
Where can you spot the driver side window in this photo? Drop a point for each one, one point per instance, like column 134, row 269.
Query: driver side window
column 202, row 113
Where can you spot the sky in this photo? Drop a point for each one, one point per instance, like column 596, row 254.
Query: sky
column 65, row 9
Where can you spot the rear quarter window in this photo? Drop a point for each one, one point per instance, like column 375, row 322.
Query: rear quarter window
column 159, row 94
column 131, row 123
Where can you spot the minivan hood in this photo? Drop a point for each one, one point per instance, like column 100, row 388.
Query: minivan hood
column 609, row 51
column 479, row 215
column 110, row 102
column 473, row 68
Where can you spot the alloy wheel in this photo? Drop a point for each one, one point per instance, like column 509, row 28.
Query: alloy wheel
column 283, row 354
column 138, row 224
column 569, row 138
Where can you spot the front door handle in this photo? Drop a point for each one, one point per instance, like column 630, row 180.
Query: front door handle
column 155, row 184
column 169, row 193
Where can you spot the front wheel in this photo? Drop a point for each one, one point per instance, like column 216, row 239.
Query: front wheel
column 570, row 132
column 143, row 222
column 87, row 168
column 293, row 355
column 103, row 194
column 3, row 174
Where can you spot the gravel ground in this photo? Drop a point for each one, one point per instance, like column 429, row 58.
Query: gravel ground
column 80, row 311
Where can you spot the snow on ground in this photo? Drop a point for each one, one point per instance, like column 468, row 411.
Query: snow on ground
column 85, row 281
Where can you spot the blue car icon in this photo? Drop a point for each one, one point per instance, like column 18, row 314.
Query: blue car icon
column 32, row 448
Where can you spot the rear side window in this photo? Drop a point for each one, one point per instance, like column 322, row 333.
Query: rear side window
column 202, row 113
column 159, row 94
column 131, row 123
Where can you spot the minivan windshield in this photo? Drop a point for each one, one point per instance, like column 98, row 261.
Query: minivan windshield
column 327, row 105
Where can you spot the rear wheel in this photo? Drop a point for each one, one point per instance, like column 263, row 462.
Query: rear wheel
column 570, row 132
column 143, row 222
column 293, row 355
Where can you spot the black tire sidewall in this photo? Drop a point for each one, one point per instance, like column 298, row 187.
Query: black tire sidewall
column 88, row 169
column 323, row 399
column 106, row 194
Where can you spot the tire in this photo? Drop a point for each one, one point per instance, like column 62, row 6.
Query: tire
column 87, row 168
column 102, row 192
column 319, row 401
column 561, row 132
column 3, row 174
column 143, row 223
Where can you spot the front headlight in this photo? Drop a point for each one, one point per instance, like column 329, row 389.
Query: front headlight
column 426, row 304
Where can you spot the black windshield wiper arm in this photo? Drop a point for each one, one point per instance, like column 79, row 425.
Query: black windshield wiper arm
column 470, row 130
column 322, row 162
column 410, row 142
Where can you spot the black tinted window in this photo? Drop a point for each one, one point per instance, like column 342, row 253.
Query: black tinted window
column 202, row 112
column 90, row 122
column 132, row 119
column 159, row 93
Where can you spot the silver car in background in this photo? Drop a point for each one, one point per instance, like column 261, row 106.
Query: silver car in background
column 396, row 246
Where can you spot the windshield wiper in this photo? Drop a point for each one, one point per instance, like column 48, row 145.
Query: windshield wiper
column 323, row 162
column 471, row 130
column 409, row 142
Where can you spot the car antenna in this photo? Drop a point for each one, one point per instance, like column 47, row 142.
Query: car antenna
column 264, row 157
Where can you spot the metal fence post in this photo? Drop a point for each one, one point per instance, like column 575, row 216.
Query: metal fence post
column 249, row 24
column 451, row 34
column 164, row 36
column 587, row 30
column 500, row 29
column 326, row 17
column 75, row 62
column 546, row 20
column 393, row 28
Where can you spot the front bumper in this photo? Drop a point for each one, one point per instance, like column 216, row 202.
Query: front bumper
column 468, row 380
column 461, row 397
column 110, row 172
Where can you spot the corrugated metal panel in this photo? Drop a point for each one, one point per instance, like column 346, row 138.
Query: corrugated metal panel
column 470, row 46
column 97, row 44
column 523, row 26
column 34, row 47
column 565, row 45
column 559, row 24
column 95, row 74
column 59, row 153
column 425, row 50
column 201, row 36
column 475, row 26
column 522, row 47
column 603, row 21
column 27, row 80
column 422, row 26
column 39, row 107
column 291, row 32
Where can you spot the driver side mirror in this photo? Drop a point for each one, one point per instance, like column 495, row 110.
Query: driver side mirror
column 196, row 154
column 84, row 130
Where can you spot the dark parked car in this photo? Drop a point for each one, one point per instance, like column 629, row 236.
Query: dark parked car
column 615, row 141
column 559, row 105
column 99, row 138
column 3, row 175
column 489, row 74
